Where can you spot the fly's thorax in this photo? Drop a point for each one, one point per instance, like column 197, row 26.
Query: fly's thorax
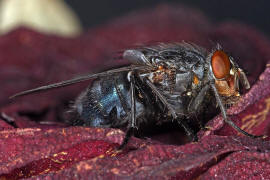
column 163, row 77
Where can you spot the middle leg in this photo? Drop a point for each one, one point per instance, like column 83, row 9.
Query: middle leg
column 190, row 133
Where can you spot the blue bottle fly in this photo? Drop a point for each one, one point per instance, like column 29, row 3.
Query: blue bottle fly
column 163, row 83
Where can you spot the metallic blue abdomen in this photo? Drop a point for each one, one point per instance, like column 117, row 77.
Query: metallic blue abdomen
column 105, row 101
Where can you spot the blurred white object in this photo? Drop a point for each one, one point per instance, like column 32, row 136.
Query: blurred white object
column 49, row 16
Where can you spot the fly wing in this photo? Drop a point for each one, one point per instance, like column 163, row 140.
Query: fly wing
column 81, row 79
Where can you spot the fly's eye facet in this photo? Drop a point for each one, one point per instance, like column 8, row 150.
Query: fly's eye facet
column 221, row 65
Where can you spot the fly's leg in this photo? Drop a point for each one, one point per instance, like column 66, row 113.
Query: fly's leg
column 197, row 101
column 190, row 133
column 132, row 121
column 129, row 133
column 224, row 114
column 161, row 98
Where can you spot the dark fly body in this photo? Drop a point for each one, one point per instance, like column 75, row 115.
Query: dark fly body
column 168, row 82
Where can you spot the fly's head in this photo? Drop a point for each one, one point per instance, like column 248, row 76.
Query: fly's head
column 226, row 74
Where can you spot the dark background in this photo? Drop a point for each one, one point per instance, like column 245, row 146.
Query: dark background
column 255, row 13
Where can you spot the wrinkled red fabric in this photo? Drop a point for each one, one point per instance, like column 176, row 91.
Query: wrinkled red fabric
column 41, row 146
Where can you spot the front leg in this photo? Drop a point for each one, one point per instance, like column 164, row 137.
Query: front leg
column 196, row 102
column 224, row 114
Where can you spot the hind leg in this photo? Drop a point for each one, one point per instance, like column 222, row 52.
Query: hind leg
column 132, row 120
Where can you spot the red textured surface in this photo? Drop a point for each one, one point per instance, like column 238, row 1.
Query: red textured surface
column 51, row 150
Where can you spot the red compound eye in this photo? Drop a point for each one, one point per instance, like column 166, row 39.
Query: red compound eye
column 220, row 64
